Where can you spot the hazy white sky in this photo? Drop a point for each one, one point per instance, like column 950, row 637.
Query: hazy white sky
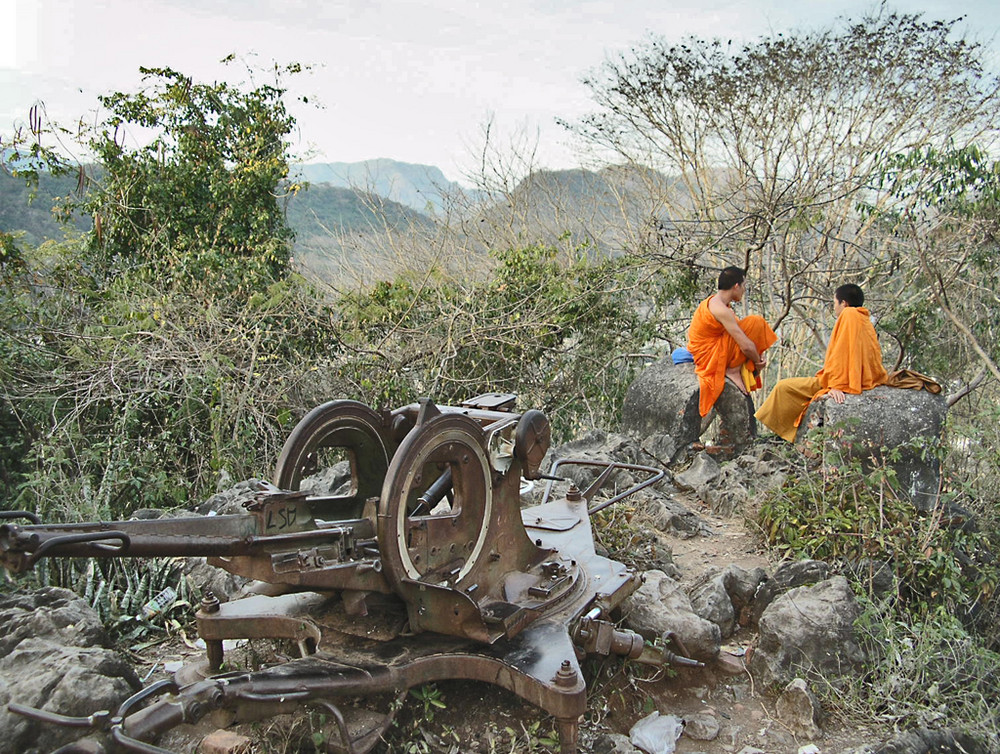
column 414, row 81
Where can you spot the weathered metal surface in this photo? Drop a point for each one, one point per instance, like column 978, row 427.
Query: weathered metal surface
column 424, row 568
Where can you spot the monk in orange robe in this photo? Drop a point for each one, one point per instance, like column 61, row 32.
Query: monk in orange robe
column 723, row 346
column 852, row 365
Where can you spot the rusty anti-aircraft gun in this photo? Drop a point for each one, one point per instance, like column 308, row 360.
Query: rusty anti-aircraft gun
column 427, row 568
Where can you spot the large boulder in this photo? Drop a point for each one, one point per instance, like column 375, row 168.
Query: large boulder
column 52, row 658
column 661, row 406
column 661, row 607
column 808, row 632
column 52, row 612
column 891, row 418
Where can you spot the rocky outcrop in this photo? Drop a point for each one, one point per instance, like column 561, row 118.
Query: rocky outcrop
column 905, row 421
column 808, row 632
column 724, row 596
column 53, row 658
column 661, row 408
column 661, row 607
column 787, row 576
column 57, row 614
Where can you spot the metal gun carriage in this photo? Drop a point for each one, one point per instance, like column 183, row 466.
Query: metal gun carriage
column 424, row 567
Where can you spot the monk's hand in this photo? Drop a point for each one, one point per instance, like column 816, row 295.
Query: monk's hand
column 759, row 365
column 837, row 395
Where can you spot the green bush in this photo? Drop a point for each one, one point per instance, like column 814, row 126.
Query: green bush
column 846, row 515
column 931, row 639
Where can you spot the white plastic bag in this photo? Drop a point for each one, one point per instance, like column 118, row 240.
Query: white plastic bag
column 656, row 733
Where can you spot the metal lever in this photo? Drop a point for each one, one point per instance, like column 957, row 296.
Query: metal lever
column 8, row 515
column 96, row 537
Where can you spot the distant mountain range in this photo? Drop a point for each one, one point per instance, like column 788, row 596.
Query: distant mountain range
column 419, row 187
column 324, row 209
column 346, row 205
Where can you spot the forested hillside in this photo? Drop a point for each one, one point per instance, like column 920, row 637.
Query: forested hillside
column 168, row 352
column 28, row 209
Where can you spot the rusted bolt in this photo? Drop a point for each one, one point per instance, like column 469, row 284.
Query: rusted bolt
column 209, row 603
column 566, row 677
column 573, row 493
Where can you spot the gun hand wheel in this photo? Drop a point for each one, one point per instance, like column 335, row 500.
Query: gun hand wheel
column 443, row 546
column 337, row 430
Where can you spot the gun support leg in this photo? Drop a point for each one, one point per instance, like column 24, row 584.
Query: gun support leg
column 213, row 648
column 569, row 733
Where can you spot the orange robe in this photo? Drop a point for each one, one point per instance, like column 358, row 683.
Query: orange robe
column 715, row 351
column 853, row 364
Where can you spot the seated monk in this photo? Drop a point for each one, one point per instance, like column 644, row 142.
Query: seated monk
column 722, row 345
column 853, row 364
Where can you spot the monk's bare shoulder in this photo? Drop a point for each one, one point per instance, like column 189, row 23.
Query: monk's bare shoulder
column 720, row 311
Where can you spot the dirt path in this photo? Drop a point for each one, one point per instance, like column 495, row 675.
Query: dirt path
column 745, row 715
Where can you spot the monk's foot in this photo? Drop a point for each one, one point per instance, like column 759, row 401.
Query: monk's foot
column 735, row 376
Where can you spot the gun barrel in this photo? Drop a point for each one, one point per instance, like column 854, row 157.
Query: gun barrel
column 201, row 536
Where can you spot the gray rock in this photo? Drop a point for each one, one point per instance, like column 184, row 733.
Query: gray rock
column 660, row 607
column 49, row 612
column 231, row 501
column 924, row 741
column 742, row 587
column 877, row 576
column 664, row 448
column 886, row 417
column 726, row 497
column 600, row 447
column 787, row 576
column 701, row 726
column 662, row 402
column 711, row 601
column 671, row 517
column 724, row 596
column 74, row 681
column 703, row 471
column 613, row 743
column 205, row 577
column 799, row 710
column 808, row 631
column 737, row 427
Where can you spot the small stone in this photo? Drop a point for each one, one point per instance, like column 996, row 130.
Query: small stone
column 701, row 727
column 224, row 742
column 798, row 709
column 729, row 664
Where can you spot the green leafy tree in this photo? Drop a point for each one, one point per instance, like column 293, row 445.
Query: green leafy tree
column 200, row 199
column 945, row 235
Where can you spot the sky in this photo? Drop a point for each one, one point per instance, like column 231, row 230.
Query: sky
column 416, row 81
